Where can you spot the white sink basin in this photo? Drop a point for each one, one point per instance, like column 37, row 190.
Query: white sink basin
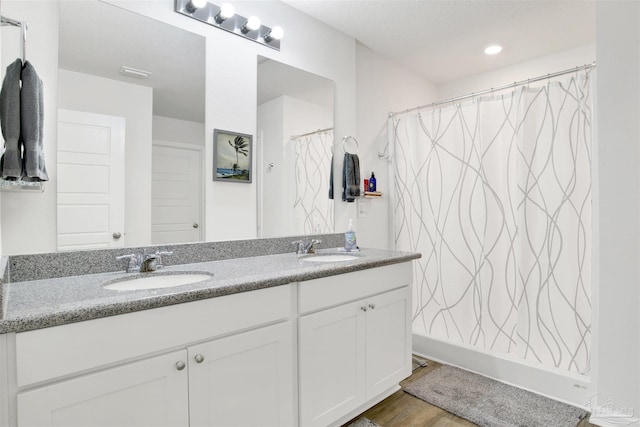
column 157, row 281
column 330, row 258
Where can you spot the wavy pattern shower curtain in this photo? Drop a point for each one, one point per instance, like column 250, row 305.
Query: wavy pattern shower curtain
column 312, row 208
column 496, row 195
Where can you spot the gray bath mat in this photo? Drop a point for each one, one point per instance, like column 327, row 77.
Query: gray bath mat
column 363, row 422
column 486, row 402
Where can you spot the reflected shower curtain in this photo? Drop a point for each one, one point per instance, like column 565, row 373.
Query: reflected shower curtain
column 496, row 195
column 312, row 208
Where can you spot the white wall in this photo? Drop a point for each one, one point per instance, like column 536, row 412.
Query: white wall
column 617, row 295
column 230, row 102
column 382, row 87
column 83, row 92
column 270, row 142
column 176, row 130
column 519, row 72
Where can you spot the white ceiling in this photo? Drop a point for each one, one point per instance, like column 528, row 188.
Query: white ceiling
column 443, row 40
column 439, row 39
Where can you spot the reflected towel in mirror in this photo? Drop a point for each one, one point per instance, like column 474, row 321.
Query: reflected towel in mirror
column 11, row 163
column 350, row 177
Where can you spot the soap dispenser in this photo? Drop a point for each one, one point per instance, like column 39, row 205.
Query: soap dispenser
column 372, row 183
column 350, row 238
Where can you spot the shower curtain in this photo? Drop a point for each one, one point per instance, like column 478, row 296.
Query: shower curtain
column 312, row 208
column 496, row 195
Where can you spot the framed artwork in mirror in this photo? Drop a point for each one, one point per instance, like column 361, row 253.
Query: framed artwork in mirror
column 232, row 156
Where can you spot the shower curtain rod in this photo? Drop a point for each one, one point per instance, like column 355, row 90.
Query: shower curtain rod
column 497, row 89
column 310, row 133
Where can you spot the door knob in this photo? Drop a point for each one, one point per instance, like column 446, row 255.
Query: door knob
column 195, row 225
column 199, row 358
column 180, row 365
column 117, row 235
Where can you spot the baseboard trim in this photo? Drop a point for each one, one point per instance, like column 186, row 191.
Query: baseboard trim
column 572, row 389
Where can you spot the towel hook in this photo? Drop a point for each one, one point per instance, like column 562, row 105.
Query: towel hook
column 345, row 139
column 23, row 30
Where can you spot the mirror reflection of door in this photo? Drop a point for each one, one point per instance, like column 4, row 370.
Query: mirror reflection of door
column 90, row 180
column 176, row 188
column 153, row 75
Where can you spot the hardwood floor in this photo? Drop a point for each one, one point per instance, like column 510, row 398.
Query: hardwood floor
column 403, row 410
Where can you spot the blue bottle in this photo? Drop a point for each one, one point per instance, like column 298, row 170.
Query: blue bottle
column 372, row 183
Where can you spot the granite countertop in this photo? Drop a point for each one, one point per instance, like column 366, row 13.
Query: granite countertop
column 37, row 304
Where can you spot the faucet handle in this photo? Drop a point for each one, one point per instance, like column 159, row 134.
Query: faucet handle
column 159, row 255
column 133, row 263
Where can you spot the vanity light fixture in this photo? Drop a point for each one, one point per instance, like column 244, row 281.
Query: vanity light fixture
column 276, row 33
column 493, row 49
column 225, row 18
column 252, row 24
column 134, row 72
column 226, row 11
column 194, row 5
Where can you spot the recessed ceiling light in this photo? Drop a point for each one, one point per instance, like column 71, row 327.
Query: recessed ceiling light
column 134, row 72
column 493, row 49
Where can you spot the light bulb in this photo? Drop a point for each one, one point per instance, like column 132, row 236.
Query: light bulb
column 253, row 23
column 194, row 5
column 493, row 49
column 276, row 33
column 227, row 11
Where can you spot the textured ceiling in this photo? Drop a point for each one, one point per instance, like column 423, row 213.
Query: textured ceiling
column 443, row 40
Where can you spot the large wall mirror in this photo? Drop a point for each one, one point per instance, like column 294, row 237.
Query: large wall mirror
column 131, row 135
column 295, row 142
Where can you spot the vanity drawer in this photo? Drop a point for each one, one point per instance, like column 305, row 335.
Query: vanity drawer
column 60, row 351
column 330, row 291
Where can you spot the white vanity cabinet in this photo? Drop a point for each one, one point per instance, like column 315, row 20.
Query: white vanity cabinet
column 243, row 380
column 151, row 392
column 355, row 343
column 244, row 377
column 313, row 353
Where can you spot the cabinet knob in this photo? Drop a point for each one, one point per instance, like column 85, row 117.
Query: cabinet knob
column 117, row 235
column 180, row 365
column 372, row 306
column 199, row 358
column 363, row 308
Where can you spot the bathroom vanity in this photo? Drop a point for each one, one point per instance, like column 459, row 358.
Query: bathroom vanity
column 266, row 340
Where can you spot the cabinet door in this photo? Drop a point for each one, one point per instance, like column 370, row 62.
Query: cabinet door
column 151, row 392
column 332, row 363
column 244, row 379
column 388, row 340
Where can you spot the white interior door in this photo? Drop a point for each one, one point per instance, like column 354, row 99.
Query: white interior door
column 90, row 180
column 176, row 188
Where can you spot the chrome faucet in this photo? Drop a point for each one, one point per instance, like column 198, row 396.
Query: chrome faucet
column 133, row 262
column 305, row 246
column 149, row 263
column 144, row 263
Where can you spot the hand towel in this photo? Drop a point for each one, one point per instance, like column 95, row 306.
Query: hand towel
column 11, row 162
column 31, row 125
column 331, row 180
column 350, row 177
